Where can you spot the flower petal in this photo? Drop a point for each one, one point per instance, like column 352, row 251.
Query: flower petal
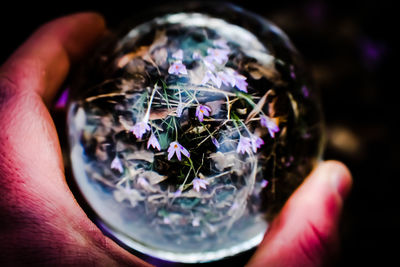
column 172, row 69
column 241, row 85
column 179, row 110
column 171, row 153
column 185, row 152
column 177, row 68
column 244, row 145
column 116, row 164
column 183, row 70
column 269, row 123
column 216, row 80
column 264, row 183
column 196, row 187
column 196, row 55
column 158, row 146
column 178, row 54
column 153, row 142
column 178, row 154
column 215, row 142
column 178, row 193
column 221, row 43
column 200, row 117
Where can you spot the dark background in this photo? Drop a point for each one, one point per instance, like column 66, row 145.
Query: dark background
column 349, row 50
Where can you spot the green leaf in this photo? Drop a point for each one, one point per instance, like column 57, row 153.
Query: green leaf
column 164, row 140
column 246, row 97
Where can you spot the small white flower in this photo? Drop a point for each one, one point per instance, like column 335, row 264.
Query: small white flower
column 256, row 142
column 210, row 76
column 270, row 124
column 176, row 148
column 178, row 54
column 226, row 78
column 199, row 183
column 177, row 68
column 196, row 55
column 196, row 222
column 208, row 62
column 201, row 111
column 235, row 79
column 116, row 164
column 221, row 43
column 218, row 55
column 241, row 83
column 179, row 109
column 166, row 220
column 140, row 128
column 244, row 146
column 153, row 142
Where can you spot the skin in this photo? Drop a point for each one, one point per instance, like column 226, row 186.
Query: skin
column 41, row 222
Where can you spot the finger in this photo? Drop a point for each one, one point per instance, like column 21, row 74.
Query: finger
column 305, row 231
column 41, row 64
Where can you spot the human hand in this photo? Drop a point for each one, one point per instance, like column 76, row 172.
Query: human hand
column 40, row 221
column 42, row 224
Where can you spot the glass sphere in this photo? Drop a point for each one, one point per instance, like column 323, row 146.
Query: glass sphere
column 188, row 132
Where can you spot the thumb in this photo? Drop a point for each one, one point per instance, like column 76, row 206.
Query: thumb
column 305, row 232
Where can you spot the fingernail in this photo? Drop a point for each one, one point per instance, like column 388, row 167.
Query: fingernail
column 340, row 177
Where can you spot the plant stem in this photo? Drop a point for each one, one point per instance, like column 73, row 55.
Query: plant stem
column 147, row 115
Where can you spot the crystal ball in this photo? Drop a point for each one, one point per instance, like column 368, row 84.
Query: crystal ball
column 189, row 131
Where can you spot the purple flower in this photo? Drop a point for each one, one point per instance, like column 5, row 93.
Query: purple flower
column 305, row 91
column 140, row 128
column 177, row 68
column 234, row 79
column 116, row 164
column 292, row 73
column 215, row 141
column 264, row 183
column 201, row 111
column 196, row 55
column 256, row 142
column 244, row 145
column 179, row 110
column 153, row 142
column 178, row 192
column 208, row 62
column 178, row 54
column 270, row 124
column 210, row 76
column 177, row 148
column 199, row 183
column 218, row 55
column 227, row 78
column 196, row 222
column 221, row 43
column 62, row 101
column 240, row 82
